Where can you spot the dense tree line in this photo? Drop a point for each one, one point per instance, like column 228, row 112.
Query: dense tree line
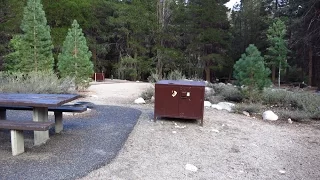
column 132, row 38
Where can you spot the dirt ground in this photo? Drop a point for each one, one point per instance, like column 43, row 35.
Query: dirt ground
column 228, row 146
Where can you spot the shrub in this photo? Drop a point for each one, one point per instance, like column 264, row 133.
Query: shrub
column 154, row 77
column 280, row 97
column 305, row 101
column 249, row 107
column 148, row 93
column 35, row 82
column 295, row 115
column 176, row 75
column 228, row 92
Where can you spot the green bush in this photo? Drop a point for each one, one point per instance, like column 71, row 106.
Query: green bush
column 35, row 82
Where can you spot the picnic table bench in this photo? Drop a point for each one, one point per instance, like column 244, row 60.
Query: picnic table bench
column 58, row 112
column 16, row 129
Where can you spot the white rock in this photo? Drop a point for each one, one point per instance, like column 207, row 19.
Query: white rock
column 216, row 106
column 95, row 96
column 207, row 104
column 246, row 113
column 270, row 116
column 191, row 167
column 282, row 171
column 152, row 99
column 139, row 101
column 226, row 106
column 174, row 132
column 215, row 130
column 290, row 121
column 180, row 127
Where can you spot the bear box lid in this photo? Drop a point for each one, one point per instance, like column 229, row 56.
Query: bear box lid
column 182, row 82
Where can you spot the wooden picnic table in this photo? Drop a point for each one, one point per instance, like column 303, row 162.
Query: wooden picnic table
column 39, row 103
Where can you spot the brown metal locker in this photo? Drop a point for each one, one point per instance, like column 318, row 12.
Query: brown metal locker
column 179, row 99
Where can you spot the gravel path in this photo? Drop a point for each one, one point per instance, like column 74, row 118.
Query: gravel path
column 229, row 146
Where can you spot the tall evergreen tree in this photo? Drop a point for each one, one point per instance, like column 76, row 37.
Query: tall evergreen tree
column 10, row 19
column 209, row 33
column 277, row 52
column 37, row 55
column 74, row 60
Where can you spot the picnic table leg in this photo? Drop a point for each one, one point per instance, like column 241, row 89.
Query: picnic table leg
column 40, row 114
column 17, row 142
column 58, row 121
column 3, row 115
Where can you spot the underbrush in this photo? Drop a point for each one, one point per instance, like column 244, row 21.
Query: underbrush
column 294, row 104
column 35, row 82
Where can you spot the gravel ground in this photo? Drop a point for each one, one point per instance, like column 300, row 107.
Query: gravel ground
column 228, row 146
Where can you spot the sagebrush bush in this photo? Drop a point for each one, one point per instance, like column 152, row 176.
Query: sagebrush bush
column 175, row 75
column 148, row 93
column 279, row 97
column 304, row 101
column 249, row 107
column 227, row 91
column 296, row 115
column 35, row 82
column 154, row 77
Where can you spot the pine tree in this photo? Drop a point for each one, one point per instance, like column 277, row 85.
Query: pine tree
column 277, row 52
column 33, row 49
column 209, row 32
column 74, row 60
column 250, row 71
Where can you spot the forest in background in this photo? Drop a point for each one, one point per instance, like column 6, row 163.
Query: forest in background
column 130, row 39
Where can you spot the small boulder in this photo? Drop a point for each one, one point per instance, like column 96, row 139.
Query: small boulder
column 216, row 106
column 226, row 106
column 191, row 167
column 246, row 113
column 207, row 104
column 152, row 99
column 139, row 101
column 269, row 116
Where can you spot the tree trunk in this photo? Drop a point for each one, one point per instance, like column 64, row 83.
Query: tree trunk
column 159, row 64
column 273, row 73
column 207, row 71
column 279, row 75
column 310, row 66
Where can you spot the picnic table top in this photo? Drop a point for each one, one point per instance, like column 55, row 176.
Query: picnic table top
column 36, row 100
